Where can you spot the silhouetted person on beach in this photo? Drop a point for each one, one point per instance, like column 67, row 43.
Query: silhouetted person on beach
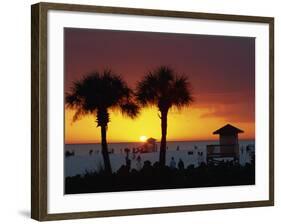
column 127, row 151
column 134, row 154
column 180, row 164
column 128, row 163
column 139, row 165
column 173, row 163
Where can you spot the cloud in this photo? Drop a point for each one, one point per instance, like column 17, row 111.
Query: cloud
column 238, row 112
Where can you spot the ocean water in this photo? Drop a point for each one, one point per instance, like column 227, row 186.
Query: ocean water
column 83, row 161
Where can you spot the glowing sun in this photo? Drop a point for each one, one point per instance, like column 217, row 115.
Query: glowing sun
column 143, row 138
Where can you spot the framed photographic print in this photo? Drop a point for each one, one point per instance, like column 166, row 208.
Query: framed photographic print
column 138, row 111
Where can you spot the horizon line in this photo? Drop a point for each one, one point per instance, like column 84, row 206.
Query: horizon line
column 116, row 142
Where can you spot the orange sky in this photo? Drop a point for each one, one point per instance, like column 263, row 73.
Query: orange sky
column 221, row 71
column 189, row 124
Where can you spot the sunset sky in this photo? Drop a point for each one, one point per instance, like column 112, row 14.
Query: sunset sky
column 221, row 71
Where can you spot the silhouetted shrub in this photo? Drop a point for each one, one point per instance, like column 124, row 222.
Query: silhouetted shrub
column 157, row 177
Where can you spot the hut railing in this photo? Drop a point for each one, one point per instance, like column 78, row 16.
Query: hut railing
column 230, row 150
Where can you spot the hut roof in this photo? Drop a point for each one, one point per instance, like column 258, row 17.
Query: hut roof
column 228, row 129
column 151, row 140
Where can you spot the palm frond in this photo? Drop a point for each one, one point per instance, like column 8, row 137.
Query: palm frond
column 147, row 90
column 181, row 94
column 163, row 88
column 104, row 90
column 79, row 113
column 130, row 109
column 71, row 101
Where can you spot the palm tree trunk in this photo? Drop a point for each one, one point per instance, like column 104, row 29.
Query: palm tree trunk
column 105, row 154
column 102, row 120
column 162, row 157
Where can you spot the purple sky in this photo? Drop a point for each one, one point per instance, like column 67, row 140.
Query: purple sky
column 221, row 69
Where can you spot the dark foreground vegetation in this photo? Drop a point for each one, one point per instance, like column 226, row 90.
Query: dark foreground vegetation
column 152, row 177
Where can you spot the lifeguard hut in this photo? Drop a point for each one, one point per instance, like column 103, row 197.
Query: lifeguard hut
column 149, row 146
column 229, row 144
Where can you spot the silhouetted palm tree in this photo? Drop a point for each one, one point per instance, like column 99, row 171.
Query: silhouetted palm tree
column 96, row 94
column 164, row 89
